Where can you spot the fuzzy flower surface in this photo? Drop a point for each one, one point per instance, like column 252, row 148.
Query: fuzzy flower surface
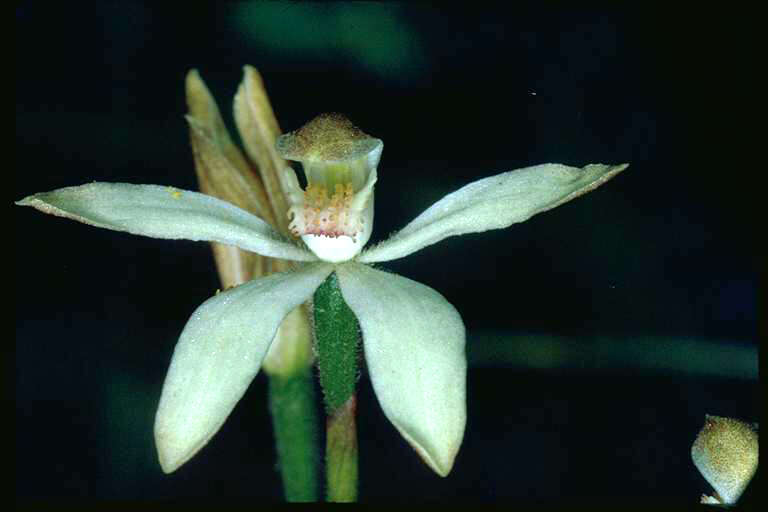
column 413, row 338
column 726, row 453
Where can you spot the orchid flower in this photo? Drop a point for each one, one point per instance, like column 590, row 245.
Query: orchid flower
column 413, row 338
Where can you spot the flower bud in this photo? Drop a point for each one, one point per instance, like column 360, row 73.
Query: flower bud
column 725, row 453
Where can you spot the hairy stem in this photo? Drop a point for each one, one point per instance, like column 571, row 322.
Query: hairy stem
column 336, row 344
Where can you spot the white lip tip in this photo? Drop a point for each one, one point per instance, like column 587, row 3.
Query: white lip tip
column 333, row 249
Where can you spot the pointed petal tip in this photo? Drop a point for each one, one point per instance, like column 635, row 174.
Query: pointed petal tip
column 175, row 446
column 619, row 167
column 193, row 74
column 250, row 71
column 170, row 458
column 167, row 464
column 442, row 464
column 35, row 202
column 250, row 74
column 611, row 169
column 27, row 201
column 166, row 467
column 602, row 173
column 194, row 88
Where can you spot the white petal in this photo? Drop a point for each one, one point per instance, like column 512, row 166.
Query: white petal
column 165, row 212
column 414, row 347
column 493, row 203
column 218, row 355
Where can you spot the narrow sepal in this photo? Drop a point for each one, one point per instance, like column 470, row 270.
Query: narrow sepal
column 165, row 212
column 493, row 203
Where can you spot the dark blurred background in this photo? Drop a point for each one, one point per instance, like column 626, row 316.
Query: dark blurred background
column 599, row 333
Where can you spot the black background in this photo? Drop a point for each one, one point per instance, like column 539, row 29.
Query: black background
column 665, row 251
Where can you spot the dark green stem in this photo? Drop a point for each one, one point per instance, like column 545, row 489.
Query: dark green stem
column 336, row 345
column 294, row 418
